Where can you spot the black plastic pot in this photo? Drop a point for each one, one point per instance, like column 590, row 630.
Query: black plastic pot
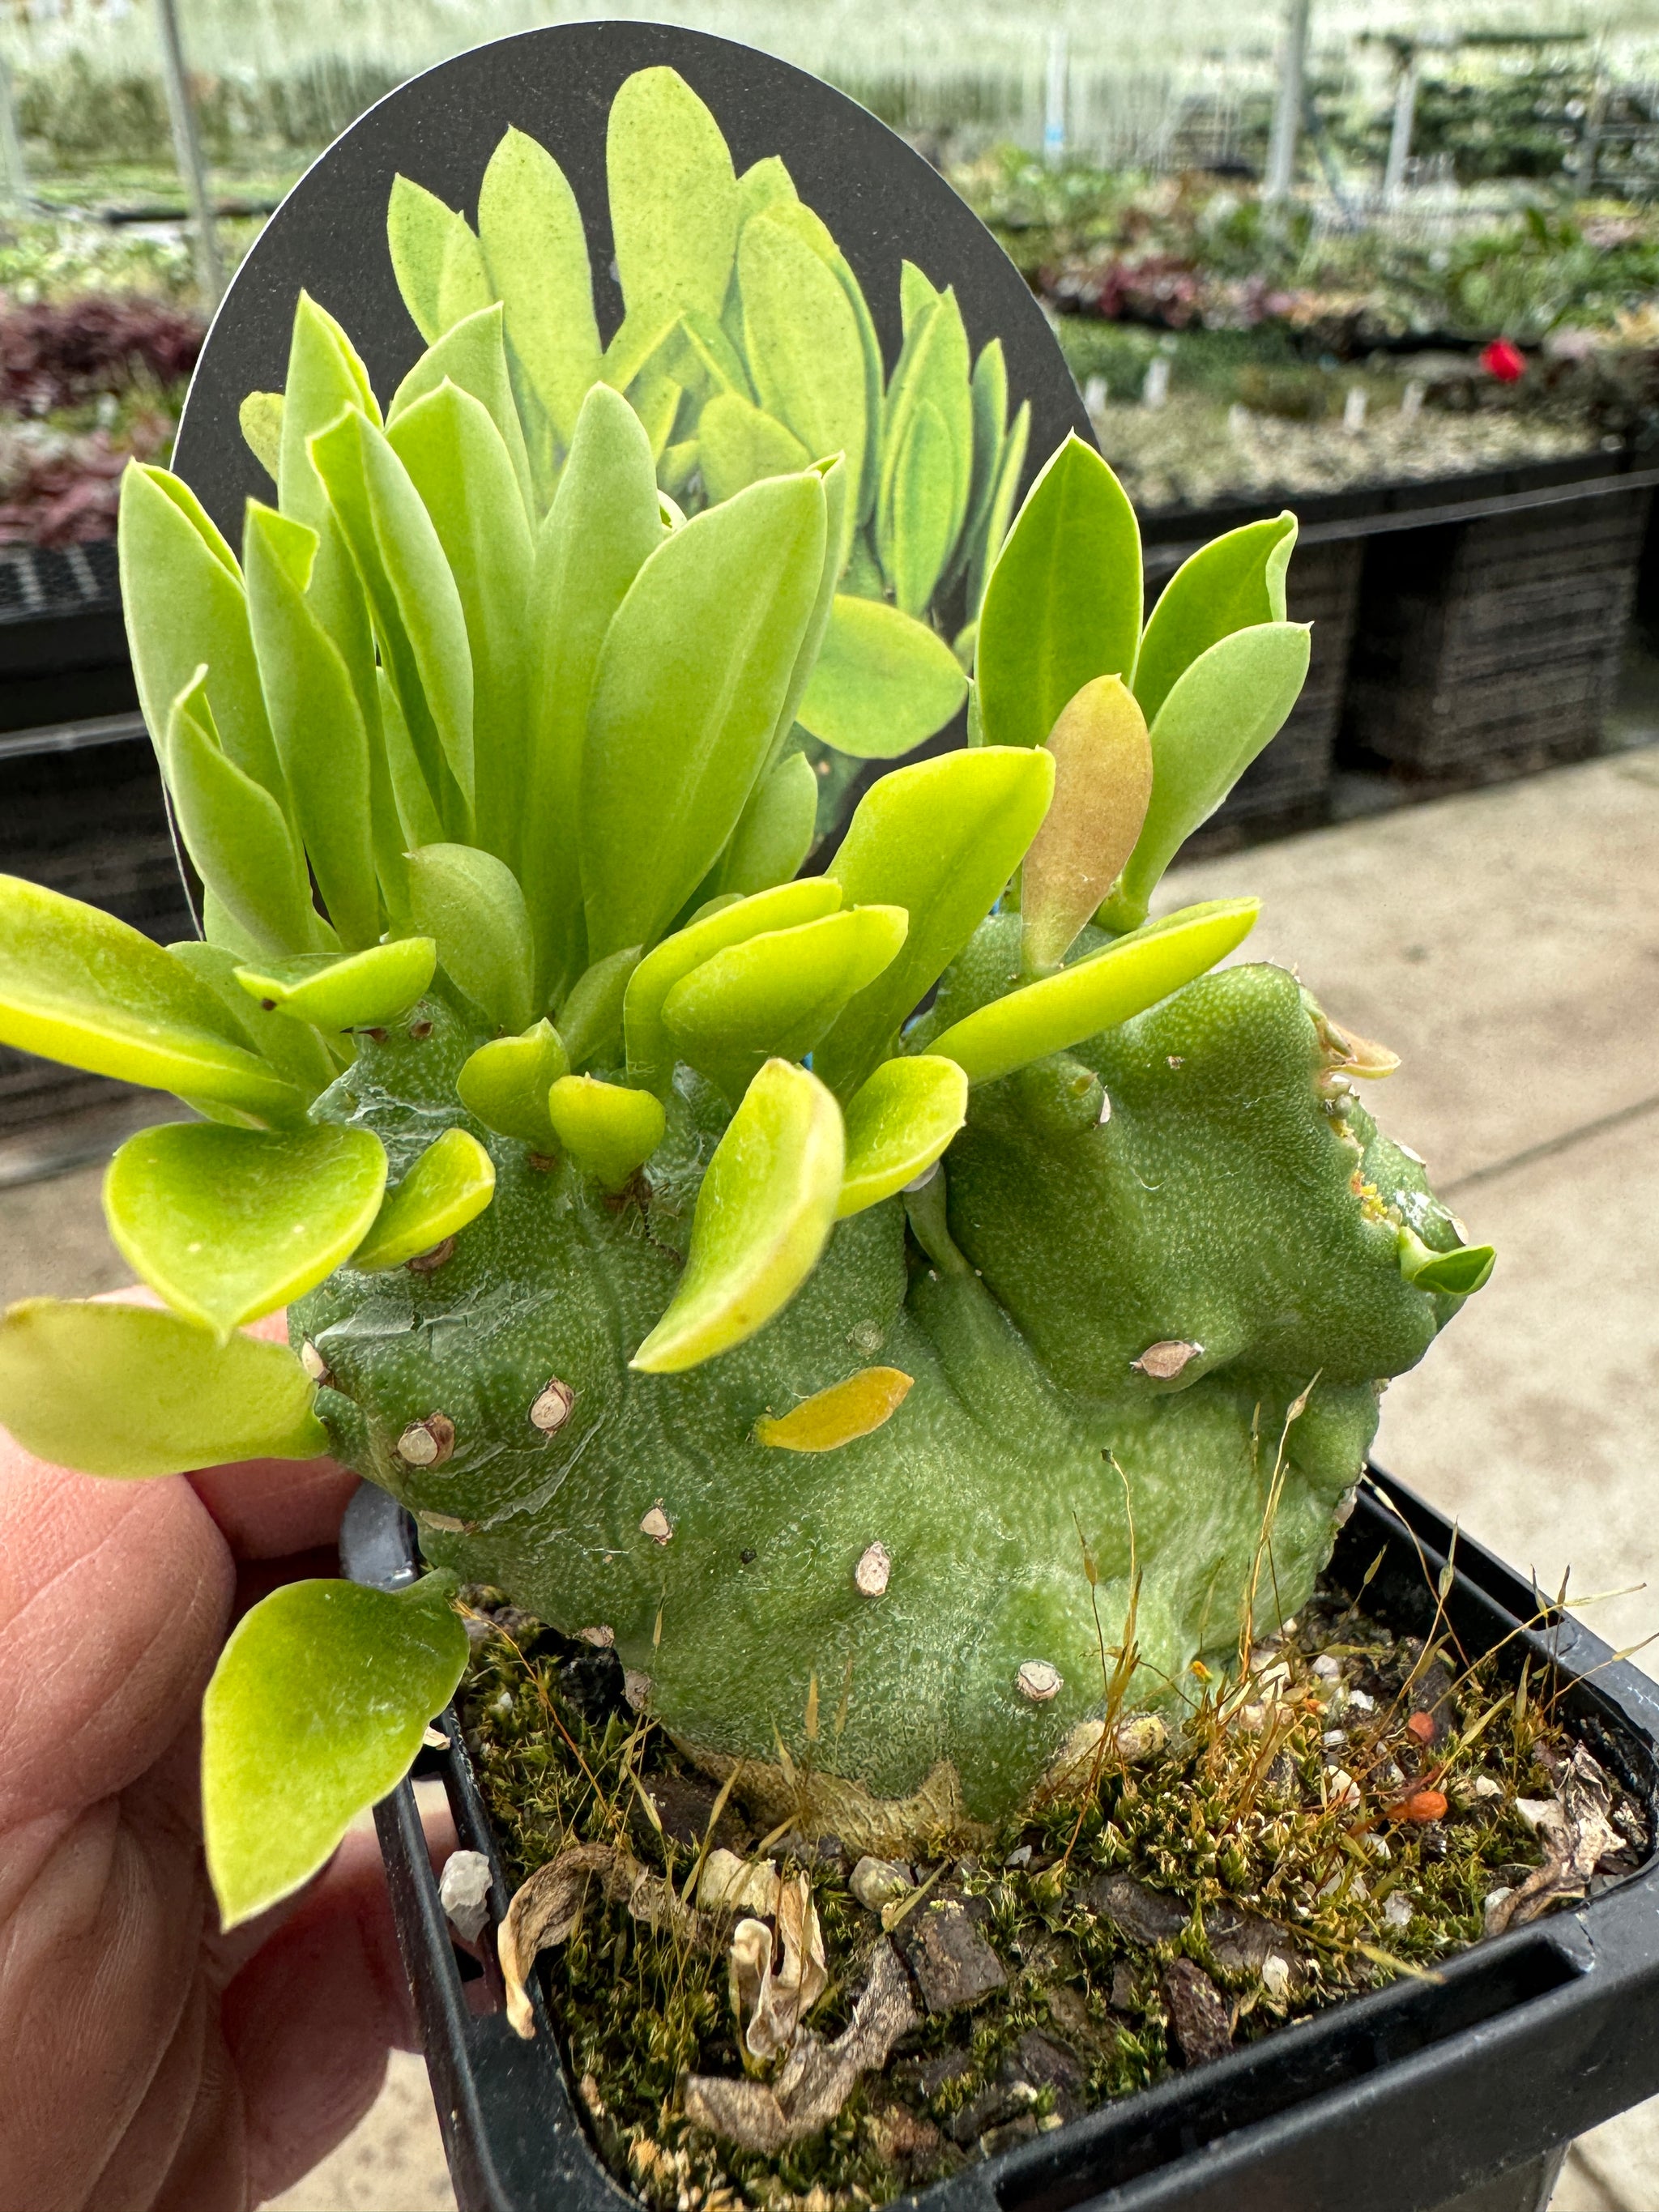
column 1459, row 2096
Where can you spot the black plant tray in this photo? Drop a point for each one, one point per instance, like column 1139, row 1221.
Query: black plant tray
column 1417, row 2098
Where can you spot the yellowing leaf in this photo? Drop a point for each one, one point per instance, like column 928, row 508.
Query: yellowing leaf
column 450, row 1184
column 1102, row 781
column 227, row 1225
column 764, row 1214
column 836, row 1416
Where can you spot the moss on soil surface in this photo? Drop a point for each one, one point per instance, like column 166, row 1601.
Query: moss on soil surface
column 1354, row 1809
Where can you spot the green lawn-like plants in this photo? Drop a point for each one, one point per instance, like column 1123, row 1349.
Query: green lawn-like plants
column 793, row 1280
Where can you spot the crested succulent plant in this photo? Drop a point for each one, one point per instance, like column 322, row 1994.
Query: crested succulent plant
column 868, row 1300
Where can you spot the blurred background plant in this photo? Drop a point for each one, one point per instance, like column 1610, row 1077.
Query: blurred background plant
column 1229, row 338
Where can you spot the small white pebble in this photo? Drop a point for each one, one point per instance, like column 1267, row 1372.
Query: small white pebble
column 1326, row 1667
column 871, row 1574
column 1333, row 1737
column 1276, row 1976
column 463, row 1893
column 657, row 1525
column 1358, row 1698
column 1343, row 1788
column 1380, row 1848
column 876, row 1882
column 1019, row 1858
column 502, row 1706
column 1486, row 1787
column 636, row 1688
column 314, row 1362
column 1397, row 1911
column 1039, row 1681
column 1252, row 1719
column 1489, row 1905
column 1539, row 1811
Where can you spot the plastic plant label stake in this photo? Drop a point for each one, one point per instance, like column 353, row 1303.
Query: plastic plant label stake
column 316, row 1710
column 362, row 991
column 1096, row 992
column 609, row 1130
column 227, row 1225
column 897, row 1125
column 451, row 1184
column 83, row 987
column 1103, row 783
column 764, row 1214
column 124, row 1390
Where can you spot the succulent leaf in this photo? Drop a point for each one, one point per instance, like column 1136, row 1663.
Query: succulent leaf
column 317, row 720
column 764, row 1214
column 673, row 195
column 694, row 671
column 776, row 831
column 609, row 1130
column 883, row 682
column 987, row 536
column 473, row 356
column 1097, row 992
column 603, row 522
column 294, row 1050
column 899, row 1124
column 418, row 617
column 941, row 839
column 450, row 1184
column 364, row 990
column 316, row 1710
column 650, row 1048
column 778, row 993
column 1457, row 1273
column 259, row 418
column 1103, row 785
column 1063, row 602
column 840, row 1415
column 1232, row 583
column 229, row 1224
column 435, row 258
column 1220, row 712
column 470, row 905
column 535, row 251
column 185, row 603
column 739, row 443
column 83, row 987
column 590, row 1018
column 237, row 833
column 506, row 1082
column 126, row 1390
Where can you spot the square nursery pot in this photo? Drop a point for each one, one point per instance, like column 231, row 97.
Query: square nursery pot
column 1490, row 648
column 1455, row 2096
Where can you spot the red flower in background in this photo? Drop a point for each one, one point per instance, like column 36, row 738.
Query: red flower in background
column 1504, row 360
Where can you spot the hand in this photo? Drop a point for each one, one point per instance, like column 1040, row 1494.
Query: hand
column 151, row 2064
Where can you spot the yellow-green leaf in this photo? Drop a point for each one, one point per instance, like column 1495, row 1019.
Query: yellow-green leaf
column 536, row 250
column 608, row 1130
column 506, row 1082
column 227, row 1225
column 776, row 831
column 764, row 1214
column 80, row 986
column 316, row 1710
column 1096, row 992
column 831, row 1418
column 260, row 420
column 673, row 195
column 739, row 443
column 471, row 904
column 884, row 682
column 451, row 1184
column 365, row 990
column 124, row 1390
column 899, row 1124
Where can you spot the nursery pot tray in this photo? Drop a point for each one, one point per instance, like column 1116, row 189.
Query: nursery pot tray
column 1420, row 2097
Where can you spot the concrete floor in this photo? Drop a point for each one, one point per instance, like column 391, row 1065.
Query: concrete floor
column 1506, row 944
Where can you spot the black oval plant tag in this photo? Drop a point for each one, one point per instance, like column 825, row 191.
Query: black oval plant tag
column 769, row 272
